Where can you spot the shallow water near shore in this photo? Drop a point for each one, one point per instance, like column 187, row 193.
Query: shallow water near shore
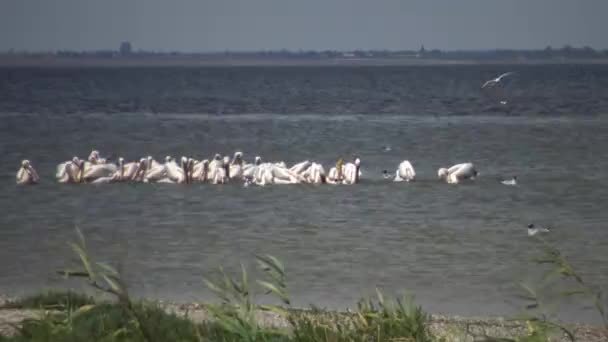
column 459, row 249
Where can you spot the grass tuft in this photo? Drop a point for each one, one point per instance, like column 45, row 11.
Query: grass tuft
column 51, row 300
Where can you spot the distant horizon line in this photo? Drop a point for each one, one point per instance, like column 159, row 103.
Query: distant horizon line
column 12, row 51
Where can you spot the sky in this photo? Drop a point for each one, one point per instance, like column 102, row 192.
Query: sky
column 253, row 25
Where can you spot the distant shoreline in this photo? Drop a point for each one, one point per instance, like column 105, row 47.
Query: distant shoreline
column 52, row 61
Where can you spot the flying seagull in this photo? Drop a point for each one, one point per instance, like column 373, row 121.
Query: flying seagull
column 497, row 80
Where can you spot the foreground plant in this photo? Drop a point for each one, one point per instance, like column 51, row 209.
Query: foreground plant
column 541, row 303
column 374, row 320
column 122, row 320
column 50, row 300
column 237, row 312
column 562, row 269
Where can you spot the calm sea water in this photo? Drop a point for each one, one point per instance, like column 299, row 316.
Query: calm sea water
column 460, row 249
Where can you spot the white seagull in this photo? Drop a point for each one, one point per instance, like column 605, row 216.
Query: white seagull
column 497, row 80
column 532, row 230
column 512, row 181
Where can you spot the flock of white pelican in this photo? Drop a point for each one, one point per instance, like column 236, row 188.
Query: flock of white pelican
column 221, row 170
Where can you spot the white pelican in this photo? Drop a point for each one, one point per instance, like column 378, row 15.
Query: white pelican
column 512, row 181
column 495, row 81
column 27, row 174
column 70, row 171
column 249, row 170
column 149, row 170
column 200, row 171
column 282, row 175
column 315, row 174
column 216, row 162
column 333, row 177
column 263, row 174
column 532, row 230
column 300, row 167
column 176, row 173
column 126, row 172
column 94, row 158
column 155, row 171
column 271, row 173
column 405, row 172
column 458, row 173
column 352, row 172
column 336, row 173
column 219, row 173
column 236, row 166
column 91, row 171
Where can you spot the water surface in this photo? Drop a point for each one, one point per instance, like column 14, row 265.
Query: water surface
column 460, row 249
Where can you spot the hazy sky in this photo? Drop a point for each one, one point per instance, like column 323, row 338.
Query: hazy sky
column 217, row 25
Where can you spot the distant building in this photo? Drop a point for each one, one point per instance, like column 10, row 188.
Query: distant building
column 125, row 48
column 421, row 52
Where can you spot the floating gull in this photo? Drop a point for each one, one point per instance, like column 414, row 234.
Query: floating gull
column 512, row 181
column 532, row 230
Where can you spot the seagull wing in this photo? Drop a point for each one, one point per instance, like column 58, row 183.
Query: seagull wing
column 503, row 75
column 488, row 83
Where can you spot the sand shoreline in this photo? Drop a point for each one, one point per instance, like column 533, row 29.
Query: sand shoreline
column 451, row 327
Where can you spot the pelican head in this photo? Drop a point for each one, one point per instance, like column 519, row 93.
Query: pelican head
column 258, row 160
column 25, row 163
column 442, row 173
column 226, row 160
column 184, row 160
column 94, row 155
column 78, row 162
column 357, row 162
column 217, row 157
column 168, row 159
column 238, row 158
column 141, row 166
